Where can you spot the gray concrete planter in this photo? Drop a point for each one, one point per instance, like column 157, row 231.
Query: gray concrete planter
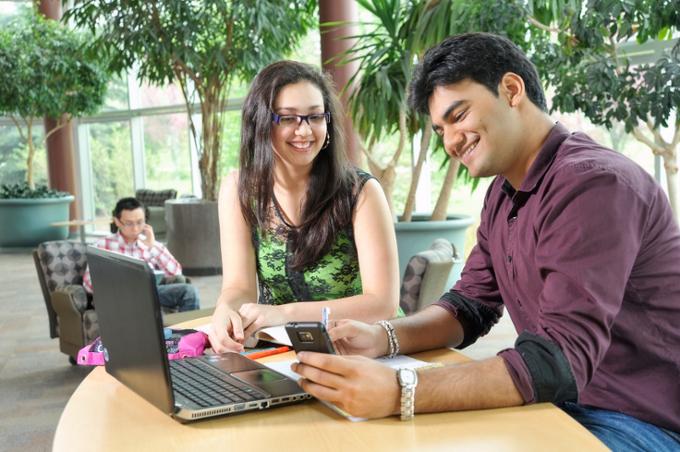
column 28, row 222
column 193, row 235
column 418, row 235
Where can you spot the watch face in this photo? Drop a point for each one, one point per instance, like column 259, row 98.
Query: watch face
column 407, row 377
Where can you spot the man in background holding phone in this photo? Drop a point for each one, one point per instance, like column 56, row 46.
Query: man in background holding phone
column 576, row 241
column 135, row 238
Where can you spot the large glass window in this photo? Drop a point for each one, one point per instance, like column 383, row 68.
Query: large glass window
column 13, row 154
column 116, row 95
column 10, row 9
column 160, row 96
column 231, row 139
column 111, row 160
column 166, row 153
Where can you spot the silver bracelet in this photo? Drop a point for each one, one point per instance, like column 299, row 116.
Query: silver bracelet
column 391, row 338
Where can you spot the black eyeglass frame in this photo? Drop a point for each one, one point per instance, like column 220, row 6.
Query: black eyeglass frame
column 277, row 118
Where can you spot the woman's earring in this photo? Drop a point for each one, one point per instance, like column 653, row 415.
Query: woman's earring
column 327, row 142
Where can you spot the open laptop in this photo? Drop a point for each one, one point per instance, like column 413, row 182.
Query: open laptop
column 131, row 329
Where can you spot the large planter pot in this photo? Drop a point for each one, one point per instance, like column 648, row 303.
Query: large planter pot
column 28, row 222
column 193, row 235
column 418, row 234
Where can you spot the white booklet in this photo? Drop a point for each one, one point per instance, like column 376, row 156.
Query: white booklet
column 275, row 334
column 398, row 362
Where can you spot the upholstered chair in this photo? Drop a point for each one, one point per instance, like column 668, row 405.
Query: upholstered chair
column 61, row 265
column 154, row 200
column 425, row 276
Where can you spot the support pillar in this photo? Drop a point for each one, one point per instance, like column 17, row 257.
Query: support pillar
column 60, row 150
column 332, row 45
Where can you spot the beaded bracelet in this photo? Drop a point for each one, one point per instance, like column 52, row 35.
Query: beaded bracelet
column 391, row 338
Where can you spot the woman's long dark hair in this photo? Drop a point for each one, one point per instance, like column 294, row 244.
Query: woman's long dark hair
column 327, row 207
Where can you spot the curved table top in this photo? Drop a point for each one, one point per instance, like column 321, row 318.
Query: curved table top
column 104, row 415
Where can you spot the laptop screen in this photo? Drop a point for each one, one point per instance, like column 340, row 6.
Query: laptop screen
column 130, row 324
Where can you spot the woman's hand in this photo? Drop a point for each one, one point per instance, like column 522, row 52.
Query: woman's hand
column 351, row 337
column 227, row 330
column 257, row 316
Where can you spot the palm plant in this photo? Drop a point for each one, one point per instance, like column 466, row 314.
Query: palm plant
column 387, row 52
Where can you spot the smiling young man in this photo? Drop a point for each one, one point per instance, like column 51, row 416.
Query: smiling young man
column 576, row 241
column 134, row 237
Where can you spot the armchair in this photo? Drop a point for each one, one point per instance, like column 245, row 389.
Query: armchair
column 72, row 318
column 426, row 275
column 154, row 201
column 60, row 266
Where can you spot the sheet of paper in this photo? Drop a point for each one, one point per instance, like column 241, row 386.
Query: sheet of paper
column 398, row 362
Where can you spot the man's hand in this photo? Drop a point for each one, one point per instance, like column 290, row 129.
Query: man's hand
column 351, row 337
column 356, row 384
column 149, row 237
column 227, row 330
column 256, row 316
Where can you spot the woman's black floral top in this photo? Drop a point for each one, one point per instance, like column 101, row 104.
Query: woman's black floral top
column 335, row 275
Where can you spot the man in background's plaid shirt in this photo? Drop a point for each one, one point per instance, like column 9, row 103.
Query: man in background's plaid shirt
column 136, row 238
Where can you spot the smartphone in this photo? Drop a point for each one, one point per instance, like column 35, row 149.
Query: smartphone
column 310, row 337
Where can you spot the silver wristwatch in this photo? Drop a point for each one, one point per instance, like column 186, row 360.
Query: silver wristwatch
column 408, row 379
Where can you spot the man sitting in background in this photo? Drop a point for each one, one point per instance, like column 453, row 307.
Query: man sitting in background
column 136, row 238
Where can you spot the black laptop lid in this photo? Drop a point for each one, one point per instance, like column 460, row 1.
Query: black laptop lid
column 130, row 325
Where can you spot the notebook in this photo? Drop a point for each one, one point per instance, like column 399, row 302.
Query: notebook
column 131, row 329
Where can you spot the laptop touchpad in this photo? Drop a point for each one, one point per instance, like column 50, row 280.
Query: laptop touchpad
column 265, row 379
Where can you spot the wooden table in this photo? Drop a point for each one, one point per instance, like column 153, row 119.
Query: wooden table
column 79, row 223
column 103, row 415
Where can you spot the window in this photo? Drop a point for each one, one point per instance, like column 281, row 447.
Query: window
column 111, row 161
column 166, row 152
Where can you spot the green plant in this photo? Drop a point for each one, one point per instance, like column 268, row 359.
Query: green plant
column 23, row 191
column 202, row 45
column 592, row 70
column 401, row 32
column 45, row 72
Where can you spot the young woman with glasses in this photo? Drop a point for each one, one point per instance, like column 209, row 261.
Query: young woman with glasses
column 301, row 228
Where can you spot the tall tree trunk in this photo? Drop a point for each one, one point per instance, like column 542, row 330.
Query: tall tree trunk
column 207, row 161
column 31, row 154
column 668, row 152
column 387, row 174
column 441, row 207
column 417, row 170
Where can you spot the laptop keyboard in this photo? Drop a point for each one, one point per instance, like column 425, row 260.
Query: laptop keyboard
column 207, row 386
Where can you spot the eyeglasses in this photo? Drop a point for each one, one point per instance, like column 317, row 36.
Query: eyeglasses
column 314, row 120
column 131, row 224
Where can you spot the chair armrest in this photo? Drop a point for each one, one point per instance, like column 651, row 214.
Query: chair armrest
column 70, row 298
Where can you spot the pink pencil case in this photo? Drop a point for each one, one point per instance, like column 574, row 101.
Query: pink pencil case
column 179, row 344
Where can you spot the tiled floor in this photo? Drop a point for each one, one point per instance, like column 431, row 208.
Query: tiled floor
column 36, row 380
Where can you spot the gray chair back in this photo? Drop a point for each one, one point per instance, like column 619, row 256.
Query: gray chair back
column 63, row 263
column 425, row 276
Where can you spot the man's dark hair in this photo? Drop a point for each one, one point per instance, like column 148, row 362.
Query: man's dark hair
column 127, row 204
column 481, row 57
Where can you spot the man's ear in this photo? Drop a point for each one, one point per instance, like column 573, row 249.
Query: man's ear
column 117, row 222
column 512, row 88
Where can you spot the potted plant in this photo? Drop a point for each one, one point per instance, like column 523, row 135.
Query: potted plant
column 202, row 46
column 387, row 52
column 43, row 72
